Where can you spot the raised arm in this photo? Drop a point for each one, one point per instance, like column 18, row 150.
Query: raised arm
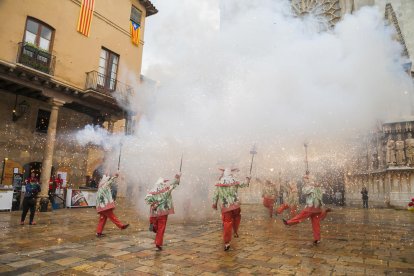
column 246, row 183
column 176, row 181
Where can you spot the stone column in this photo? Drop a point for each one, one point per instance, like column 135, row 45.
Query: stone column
column 128, row 124
column 49, row 148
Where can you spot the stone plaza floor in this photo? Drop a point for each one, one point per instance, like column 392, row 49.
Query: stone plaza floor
column 354, row 242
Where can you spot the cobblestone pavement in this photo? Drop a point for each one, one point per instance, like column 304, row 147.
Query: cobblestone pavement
column 354, row 242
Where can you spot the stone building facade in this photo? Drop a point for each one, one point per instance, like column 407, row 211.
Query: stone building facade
column 386, row 166
column 58, row 74
column 387, row 169
column 22, row 143
column 389, row 183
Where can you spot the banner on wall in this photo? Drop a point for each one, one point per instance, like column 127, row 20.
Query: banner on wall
column 85, row 16
column 80, row 198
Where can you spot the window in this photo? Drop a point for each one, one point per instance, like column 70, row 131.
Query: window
column 39, row 34
column 35, row 50
column 108, row 67
column 136, row 15
column 42, row 122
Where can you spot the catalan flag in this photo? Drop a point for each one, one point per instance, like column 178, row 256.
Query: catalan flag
column 85, row 16
column 135, row 30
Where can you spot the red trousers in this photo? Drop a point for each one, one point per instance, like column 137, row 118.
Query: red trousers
column 103, row 216
column 159, row 224
column 231, row 221
column 285, row 206
column 268, row 203
column 315, row 214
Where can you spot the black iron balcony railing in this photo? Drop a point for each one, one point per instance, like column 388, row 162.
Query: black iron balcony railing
column 36, row 58
column 108, row 86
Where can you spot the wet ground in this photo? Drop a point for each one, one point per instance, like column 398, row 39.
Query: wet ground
column 354, row 242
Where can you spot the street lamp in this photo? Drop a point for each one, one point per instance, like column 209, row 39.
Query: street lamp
column 22, row 108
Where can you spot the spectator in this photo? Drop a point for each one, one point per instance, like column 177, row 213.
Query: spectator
column 30, row 196
column 105, row 204
column 364, row 193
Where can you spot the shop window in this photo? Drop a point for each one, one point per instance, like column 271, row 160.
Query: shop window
column 108, row 68
column 42, row 122
column 136, row 15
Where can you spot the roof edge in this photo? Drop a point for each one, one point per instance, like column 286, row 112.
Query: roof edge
column 149, row 7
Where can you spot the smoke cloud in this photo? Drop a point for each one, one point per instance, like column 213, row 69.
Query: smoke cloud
column 252, row 73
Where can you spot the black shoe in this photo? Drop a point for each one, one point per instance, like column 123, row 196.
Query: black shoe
column 125, row 226
column 226, row 247
column 159, row 247
column 100, row 235
column 236, row 235
column 285, row 222
column 316, row 242
column 328, row 210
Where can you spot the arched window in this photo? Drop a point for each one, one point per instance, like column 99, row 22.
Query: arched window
column 39, row 34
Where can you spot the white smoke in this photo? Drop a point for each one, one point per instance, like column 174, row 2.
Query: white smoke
column 95, row 135
column 256, row 74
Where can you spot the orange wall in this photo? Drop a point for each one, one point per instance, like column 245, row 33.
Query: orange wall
column 75, row 53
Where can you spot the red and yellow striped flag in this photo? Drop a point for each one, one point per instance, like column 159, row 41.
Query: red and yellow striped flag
column 85, row 16
column 134, row 29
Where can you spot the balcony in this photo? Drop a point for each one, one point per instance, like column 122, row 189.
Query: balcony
column 36, row 58
column 108, row 86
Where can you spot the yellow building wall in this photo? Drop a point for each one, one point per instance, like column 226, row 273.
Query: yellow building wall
column 75, row 53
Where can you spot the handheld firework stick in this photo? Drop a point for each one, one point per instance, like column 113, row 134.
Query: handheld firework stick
column 181, row 163
column 119, row 158
column 306, row 158
column 252, row 152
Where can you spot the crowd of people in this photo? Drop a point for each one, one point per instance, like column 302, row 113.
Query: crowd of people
column 225, row 196
column 290, row 201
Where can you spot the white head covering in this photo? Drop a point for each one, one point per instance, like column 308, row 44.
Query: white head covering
column 227, row 172
column 227, row 179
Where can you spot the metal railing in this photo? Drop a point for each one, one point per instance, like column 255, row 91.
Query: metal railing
column 108, row 86
column 36, row 58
